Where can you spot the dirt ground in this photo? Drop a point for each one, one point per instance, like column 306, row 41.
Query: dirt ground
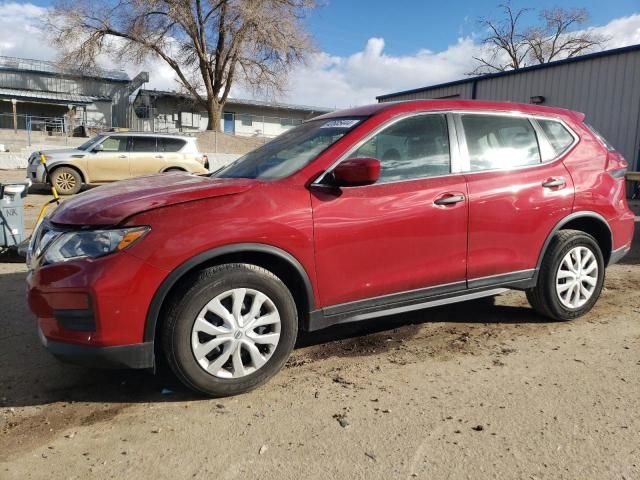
column 484, row 389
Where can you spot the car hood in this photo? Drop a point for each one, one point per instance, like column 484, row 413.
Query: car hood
column 64, row 153
column 111, row 204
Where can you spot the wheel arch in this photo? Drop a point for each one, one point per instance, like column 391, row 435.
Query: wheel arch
column 586, row 221
column 279, row 262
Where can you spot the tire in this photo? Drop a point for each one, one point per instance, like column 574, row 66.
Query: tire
column 66, row 180
column 185, row 340
column 554, row 295
column 174, row 169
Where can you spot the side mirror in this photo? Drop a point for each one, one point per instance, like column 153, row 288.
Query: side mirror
column 357, row 172
column 98, row 148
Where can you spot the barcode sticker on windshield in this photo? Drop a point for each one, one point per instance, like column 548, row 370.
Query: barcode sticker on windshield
column 340, row 124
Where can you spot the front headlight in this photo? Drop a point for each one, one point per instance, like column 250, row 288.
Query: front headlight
column 91, row 243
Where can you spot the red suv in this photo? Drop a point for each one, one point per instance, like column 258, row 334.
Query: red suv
column 351, row 216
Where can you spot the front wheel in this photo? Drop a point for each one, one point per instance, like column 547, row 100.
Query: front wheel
column 230, row 329
column 570, row 278
column 66, row 180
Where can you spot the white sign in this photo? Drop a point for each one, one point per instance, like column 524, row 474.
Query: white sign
column 346, row 123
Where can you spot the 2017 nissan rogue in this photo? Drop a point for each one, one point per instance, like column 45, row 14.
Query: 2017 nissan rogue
column 351, row 216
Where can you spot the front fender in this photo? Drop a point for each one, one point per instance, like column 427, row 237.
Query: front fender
column 179, row 272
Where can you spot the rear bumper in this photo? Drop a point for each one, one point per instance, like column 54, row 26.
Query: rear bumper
column 122, row 356
column 618, row 254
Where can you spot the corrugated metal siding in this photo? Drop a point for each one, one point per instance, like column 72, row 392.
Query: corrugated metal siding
column 43, row 66
column 103, row 89
column 606, row 89
column 48, row 83
column 461, row 91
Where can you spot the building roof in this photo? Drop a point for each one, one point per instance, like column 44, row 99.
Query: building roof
column 581, row 58
column 238, row 101
column 49, row 97
column 42, row 66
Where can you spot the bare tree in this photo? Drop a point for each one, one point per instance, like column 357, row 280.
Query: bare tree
column 554, row 39
column 506, row 45
column 509, row 46
column 209, row 44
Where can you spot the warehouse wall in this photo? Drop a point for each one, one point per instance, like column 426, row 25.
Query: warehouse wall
column 605, row 88
column 99, row 115
column 172, row 113
column 53, row 83
column 107, row 114
column 460, row 91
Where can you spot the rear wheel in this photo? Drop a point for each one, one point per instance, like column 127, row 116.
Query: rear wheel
column 230, row 329
column 66, row 180
column 570, row 278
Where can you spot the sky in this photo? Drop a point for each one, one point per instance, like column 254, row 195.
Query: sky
column 364, row 48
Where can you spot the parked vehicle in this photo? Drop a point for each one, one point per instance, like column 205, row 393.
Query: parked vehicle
column 116, row 156
column 351, row 216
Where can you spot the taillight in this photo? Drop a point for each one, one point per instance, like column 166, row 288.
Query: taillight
column 616, row 165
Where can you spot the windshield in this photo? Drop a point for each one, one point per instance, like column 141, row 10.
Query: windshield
column 89, row 143
column 292, row 150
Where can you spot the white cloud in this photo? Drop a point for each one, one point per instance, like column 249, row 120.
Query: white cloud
column 621, row 31
column 326, row 80
column 358, row 79
column 21, row 32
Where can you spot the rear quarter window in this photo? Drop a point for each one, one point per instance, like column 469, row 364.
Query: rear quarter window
column 559, row 137
column 170, row 144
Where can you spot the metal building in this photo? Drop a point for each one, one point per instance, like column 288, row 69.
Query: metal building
column 605, row 86
column 40, row 91
column 163, row 111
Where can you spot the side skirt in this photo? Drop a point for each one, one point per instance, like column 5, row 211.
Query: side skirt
column 419, row 299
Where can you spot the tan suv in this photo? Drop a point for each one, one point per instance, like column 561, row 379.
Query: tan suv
column 109, row 157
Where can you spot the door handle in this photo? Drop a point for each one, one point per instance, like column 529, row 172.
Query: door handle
column 122, row 156
column 554, row 182
column 449, row 199
column 159, row 156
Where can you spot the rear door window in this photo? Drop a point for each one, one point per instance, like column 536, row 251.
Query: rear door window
column 143, row 144
column 170, row 144
column 499, row 141
column 558, row 136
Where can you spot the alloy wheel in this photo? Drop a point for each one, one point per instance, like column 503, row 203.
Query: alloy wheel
column 577, row 277
column 65, row 181
column 236, row 333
